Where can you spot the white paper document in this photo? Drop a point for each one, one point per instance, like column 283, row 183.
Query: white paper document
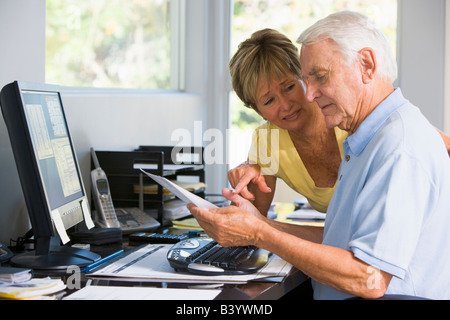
column 184, row 195
column 149, row 263
column 141, row 293
column 306, row 214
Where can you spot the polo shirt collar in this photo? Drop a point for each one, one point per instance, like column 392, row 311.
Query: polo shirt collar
column 369, row 127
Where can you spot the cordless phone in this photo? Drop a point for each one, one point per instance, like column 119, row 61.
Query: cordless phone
column 128, row 219
column 106, row 215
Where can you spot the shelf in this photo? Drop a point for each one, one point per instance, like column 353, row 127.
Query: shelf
column 125, row 178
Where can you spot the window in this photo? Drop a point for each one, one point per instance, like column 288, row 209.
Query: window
column 110, row 43
column 291, row 18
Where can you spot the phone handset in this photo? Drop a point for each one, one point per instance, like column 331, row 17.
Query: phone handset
column 106, row 215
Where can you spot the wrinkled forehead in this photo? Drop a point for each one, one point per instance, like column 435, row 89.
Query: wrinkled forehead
column 317, row 57
column 270, row 78
column 276, row 79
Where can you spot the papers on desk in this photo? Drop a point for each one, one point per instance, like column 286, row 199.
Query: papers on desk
column 32, row 289
column 187, row 223
column 141, row 293
column 10, row 275
column 304, row 217
column 306, row 214
column 149, row 263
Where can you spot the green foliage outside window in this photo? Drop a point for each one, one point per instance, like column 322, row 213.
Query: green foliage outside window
column 108, row 43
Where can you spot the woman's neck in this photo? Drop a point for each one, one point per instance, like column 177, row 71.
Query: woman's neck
column 313, row 131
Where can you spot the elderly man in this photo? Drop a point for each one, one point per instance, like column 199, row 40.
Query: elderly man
column 387, row 221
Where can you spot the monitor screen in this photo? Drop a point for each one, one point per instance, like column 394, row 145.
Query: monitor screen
column 52, row 147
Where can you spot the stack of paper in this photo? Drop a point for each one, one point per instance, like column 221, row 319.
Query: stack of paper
column 9, row 275
column 32, row 289
column 187, row 223
column 175, row 209
column 306, row 214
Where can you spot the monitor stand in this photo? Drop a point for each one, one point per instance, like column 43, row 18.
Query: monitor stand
column 50, row 257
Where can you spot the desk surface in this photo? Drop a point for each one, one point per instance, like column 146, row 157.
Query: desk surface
column 248, row 291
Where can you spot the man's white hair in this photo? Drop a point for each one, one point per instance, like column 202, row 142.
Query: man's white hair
column 352, row 31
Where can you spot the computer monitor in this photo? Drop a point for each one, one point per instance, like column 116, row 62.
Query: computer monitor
column 49, row 174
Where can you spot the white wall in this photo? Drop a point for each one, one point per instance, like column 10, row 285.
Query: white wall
column 22, row 56
column 422, row 56
column 447, row 69
column 122, row 122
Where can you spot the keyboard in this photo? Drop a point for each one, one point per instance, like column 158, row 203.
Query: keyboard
column 205, row 256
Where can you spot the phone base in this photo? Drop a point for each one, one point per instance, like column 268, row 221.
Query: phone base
column 56, row 261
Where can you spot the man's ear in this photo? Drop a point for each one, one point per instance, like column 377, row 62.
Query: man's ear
column 368, row 64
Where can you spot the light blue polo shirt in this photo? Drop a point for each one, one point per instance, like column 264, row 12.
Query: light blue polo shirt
column 391, row 206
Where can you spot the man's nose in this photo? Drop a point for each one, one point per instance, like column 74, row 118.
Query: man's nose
column 312, row 92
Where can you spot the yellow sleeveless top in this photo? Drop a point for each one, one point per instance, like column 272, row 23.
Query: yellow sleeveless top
column 273, row 150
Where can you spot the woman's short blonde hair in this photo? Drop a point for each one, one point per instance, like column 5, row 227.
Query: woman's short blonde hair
column 266, row 54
